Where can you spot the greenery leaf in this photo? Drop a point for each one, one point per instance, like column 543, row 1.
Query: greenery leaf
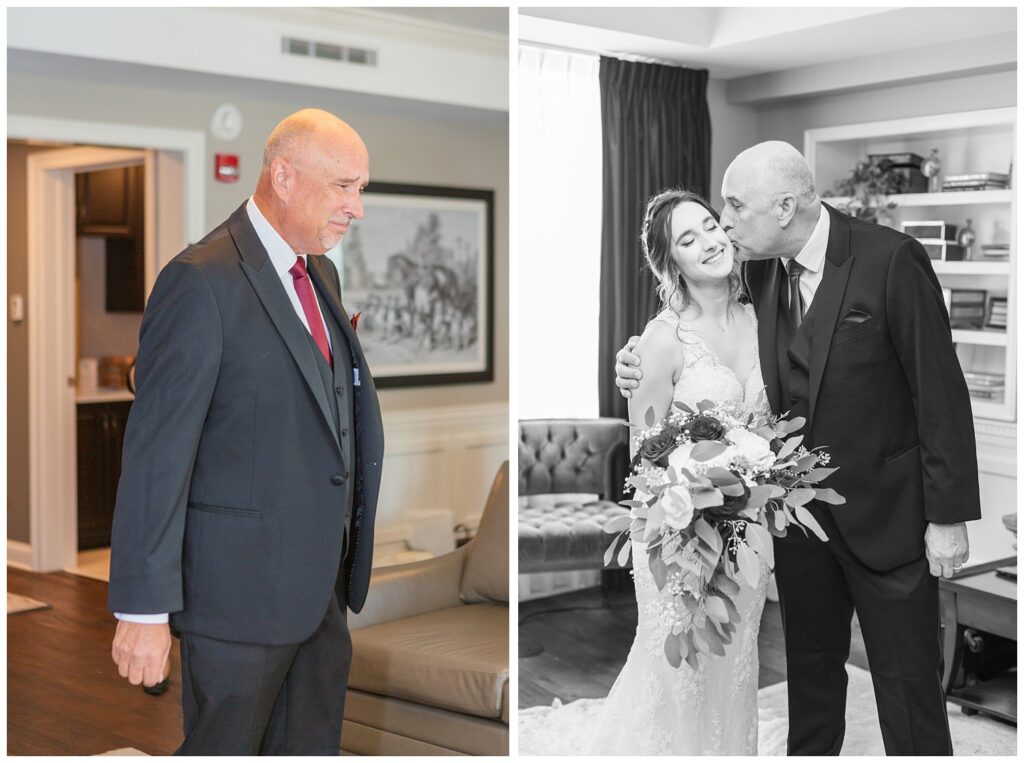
column 828, row 495
column 610, row 553
column 761, row 541
column 749, row 566
column 702, row 499
column 675, row 659
column 734, row 490
column 618, row 524
column 705, row 405
column 683, row 406
column 800, row 496
column 787, row 426
column 806, row 462
column 759, row 496
column 807, row 520
column 715, row 607
column 624, row 552
column 819, row 474
column 659, row 570
column 788, row 447
column 705, row 450
column 649, row 417
column 720, row 476
column 707, row 533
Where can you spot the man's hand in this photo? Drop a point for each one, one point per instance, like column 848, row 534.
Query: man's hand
column 627, row 368
column 140, row 651
column 946, row 548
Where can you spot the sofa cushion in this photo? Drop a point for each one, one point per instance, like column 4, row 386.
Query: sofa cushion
column 564, row 531
column 485, row 576
column 455, row 658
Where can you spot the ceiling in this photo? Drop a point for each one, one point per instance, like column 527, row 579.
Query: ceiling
column 737, row 42
column 489, row 20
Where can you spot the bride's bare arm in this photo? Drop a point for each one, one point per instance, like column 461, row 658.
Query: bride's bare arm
column 661, row 352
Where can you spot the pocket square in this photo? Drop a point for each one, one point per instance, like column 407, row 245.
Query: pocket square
column 854, row 317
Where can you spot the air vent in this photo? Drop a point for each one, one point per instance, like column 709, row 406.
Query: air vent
column 327, row 51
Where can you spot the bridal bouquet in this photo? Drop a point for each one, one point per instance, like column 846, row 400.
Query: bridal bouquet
column 711, row 489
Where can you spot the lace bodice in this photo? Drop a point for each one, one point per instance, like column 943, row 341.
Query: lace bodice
column 653, row 708
column 705, row 377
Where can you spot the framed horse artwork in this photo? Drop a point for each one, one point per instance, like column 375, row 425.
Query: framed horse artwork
column 418, row 269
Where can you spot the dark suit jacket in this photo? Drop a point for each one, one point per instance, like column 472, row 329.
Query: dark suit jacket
column 234, row 494
column 887, row 395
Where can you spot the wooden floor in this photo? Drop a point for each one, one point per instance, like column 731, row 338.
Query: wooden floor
column 64, row 694
column 586, row 637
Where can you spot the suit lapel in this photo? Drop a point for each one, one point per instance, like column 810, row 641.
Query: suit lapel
column 828, row 299
column 267, row 285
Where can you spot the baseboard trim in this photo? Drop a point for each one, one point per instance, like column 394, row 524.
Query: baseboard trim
column 19, row 554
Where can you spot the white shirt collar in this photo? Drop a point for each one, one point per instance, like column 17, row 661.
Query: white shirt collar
column 281, row 254
column 813, row 254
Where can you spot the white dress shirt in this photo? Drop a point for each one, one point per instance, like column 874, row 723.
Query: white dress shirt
column 282, row 257
column 812, row 257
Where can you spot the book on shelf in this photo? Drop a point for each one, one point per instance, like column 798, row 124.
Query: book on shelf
column 978, row 176
column 972, row 186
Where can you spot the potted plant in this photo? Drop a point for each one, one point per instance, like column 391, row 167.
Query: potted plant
column 868, row 188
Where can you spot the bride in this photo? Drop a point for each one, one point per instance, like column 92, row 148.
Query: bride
column 701, row 346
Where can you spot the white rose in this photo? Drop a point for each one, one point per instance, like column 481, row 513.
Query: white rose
column 679, row 458
column 751, row 448
column 678, row 505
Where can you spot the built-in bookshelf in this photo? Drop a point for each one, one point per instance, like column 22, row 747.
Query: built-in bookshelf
column 967, row 142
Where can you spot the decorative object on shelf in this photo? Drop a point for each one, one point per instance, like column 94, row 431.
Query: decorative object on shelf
column 996, row 313
column 868, row 187
column 226, row 122
column 930, row 229
column 930, row 168
column 966, row 307
column 995, row 251
column 939, row 249
column 977, row 181
column 419, row 267
column 985, row 385
column 113, row 370
column 907, row 165
column 965, row 237
column 1010, row 523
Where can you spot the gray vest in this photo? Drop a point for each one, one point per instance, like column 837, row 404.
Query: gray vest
column 794, row 357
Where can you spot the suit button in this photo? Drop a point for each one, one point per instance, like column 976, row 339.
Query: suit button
column 344, row 432
column 338, row 479
column 339, row 390
column 793, row 365
column 346, row 475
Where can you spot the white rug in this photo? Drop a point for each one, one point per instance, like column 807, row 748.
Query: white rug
column 17, row 603
column 972, row 735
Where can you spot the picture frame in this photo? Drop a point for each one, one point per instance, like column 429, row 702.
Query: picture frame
column 419, row 269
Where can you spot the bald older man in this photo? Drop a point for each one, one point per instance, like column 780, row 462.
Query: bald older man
column 252, row 463
column 854, row 337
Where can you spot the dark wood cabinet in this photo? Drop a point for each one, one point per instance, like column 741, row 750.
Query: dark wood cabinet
column 110, row 204
column 100, row 439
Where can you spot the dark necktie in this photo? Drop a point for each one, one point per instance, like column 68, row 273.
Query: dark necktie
column 316, row 322
column 796, row 302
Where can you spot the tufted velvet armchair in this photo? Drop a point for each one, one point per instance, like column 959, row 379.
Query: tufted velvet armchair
column 571, row 477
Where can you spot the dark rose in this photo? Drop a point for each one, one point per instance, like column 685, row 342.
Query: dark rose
column 656, row 449
column 775, row 445
column 704, row 427
column 732, row 504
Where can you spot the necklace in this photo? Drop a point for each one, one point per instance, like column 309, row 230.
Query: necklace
column 720, row 327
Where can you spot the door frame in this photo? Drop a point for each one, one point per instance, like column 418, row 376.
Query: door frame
column 53, row 509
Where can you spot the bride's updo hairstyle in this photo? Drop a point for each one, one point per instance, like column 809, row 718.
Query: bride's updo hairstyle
column 656, row 239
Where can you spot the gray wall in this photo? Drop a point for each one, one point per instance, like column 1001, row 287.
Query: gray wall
column 410, row 143
column 788, row 120
column 733, row 128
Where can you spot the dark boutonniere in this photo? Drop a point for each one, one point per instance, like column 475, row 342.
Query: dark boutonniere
column 355, row 321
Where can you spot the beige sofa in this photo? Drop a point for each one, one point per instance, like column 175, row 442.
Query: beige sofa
column 430, row 650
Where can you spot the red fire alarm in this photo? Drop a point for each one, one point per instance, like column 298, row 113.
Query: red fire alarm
column 225, row 168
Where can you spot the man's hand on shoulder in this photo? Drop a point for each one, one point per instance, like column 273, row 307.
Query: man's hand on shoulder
column 946, row 547
column 627, row 368
column 141, row 650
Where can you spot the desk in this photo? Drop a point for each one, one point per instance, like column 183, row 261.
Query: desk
column 977, row 598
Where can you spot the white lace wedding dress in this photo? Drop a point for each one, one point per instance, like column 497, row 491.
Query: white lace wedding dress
column 653, row 708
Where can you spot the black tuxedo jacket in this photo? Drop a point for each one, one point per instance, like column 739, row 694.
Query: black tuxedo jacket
column 235, row 496
column 887, row 395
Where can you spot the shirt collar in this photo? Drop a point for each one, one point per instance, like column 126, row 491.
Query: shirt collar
column 281, row 254
column 813, row 253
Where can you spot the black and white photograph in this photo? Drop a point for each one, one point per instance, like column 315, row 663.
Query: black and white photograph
column 419, row 270
column 767, row 402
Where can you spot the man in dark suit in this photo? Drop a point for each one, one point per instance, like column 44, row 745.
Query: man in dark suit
column 854, row 337
column 252, row 463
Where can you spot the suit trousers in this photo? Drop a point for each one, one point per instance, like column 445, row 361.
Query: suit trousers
column 253, row 699
column 820, row 587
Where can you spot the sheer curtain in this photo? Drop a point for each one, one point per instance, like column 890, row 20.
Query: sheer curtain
column 559, row 252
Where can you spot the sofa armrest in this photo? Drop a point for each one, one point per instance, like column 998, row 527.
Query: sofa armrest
column 405, row 590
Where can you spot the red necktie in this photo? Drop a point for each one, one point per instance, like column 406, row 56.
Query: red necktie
column 308, row 300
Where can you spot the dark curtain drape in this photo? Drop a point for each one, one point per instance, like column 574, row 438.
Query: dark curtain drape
column 657, row 134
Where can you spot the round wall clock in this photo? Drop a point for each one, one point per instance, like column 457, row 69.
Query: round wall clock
column 226, row 123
